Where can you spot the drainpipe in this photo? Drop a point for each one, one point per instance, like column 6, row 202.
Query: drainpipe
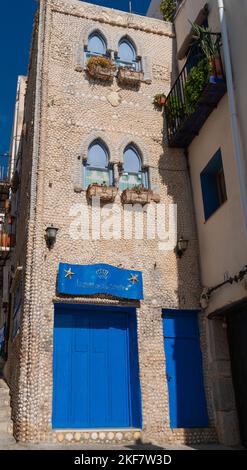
column 233, row 112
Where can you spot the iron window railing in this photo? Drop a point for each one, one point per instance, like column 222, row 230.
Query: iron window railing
column 189, row 88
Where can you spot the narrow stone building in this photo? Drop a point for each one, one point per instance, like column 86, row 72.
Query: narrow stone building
column 89, row 311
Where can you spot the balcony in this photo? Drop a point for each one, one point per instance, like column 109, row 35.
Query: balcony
column 196, row 92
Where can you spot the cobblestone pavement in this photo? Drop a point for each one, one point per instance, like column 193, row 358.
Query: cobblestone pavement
column 7, row 446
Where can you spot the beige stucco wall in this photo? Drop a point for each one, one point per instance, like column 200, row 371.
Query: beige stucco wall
column 72, row 109
column 188, row 12
column 236, row 17
column 154, row 10
column 222, row 240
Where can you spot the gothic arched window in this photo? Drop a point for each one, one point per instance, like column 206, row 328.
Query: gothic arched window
column 133, row 173
column 96, row 44
column 97, row 164
column 127, row 56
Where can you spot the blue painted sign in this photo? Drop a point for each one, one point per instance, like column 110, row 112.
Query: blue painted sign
column 94, row 279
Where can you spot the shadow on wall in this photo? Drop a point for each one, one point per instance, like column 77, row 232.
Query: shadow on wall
column 184, row 369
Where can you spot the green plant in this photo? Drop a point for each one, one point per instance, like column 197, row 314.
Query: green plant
column 210, row 43
column 100, row 185
column 196, row 82
column 102, row 62
column 174, row 109
column 168, row 9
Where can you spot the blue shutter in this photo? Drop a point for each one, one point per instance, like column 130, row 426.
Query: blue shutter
column 209, row 185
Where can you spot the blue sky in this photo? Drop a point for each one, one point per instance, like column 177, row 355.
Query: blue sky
column 16, row 20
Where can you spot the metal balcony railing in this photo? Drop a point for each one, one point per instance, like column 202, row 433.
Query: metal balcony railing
column 195, row 93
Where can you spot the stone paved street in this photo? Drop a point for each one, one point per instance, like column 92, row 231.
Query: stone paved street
column 7, row 446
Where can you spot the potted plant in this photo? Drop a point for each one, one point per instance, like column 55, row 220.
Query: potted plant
column 104, row 192
column 101, row 67
column 139, row 195
column 159, row 100
column 210, row 44
column 129, row 76
column 195, row 84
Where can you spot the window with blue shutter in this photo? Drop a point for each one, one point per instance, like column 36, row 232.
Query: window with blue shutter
column 96, row 169
column 133, row 175
column 213, row 185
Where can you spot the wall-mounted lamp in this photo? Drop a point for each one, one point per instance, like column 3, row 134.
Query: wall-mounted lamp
column 51, row 235
column 181, row 247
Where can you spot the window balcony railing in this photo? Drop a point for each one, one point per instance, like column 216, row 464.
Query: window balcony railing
column 4, row 168
column 194, row 95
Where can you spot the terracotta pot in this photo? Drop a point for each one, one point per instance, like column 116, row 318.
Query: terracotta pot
column 5, row 240
column 162, row 101
column 216, row 65
column 7, row 205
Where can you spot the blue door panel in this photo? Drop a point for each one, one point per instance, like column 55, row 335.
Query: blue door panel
column 79, row 371
column 182, row 323
column 62, row 390
column 92, row 384
column 100, row 373
column 135, row 389
column 187, row 401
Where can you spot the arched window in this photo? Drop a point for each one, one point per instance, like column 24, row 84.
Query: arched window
column 133, row 173
column 97, row 165
column 96, row 44
column 127, row 54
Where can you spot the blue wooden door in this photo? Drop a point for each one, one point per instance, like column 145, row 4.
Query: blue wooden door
column 187, row 401
column 93, row 383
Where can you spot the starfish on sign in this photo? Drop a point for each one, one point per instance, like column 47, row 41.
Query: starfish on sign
column 69, row 273
column 134, row 278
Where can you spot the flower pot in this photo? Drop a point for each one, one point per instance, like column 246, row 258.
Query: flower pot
column 162, row 101
column 129, row 76
column 7, row 205
column 139, row 196
column 5, row 241
column 104, row 193
column 102, row 73
column 216, row 66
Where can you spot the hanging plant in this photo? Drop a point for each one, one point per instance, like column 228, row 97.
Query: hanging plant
column 101, row 67
column 159, row 100
column 168, row 9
